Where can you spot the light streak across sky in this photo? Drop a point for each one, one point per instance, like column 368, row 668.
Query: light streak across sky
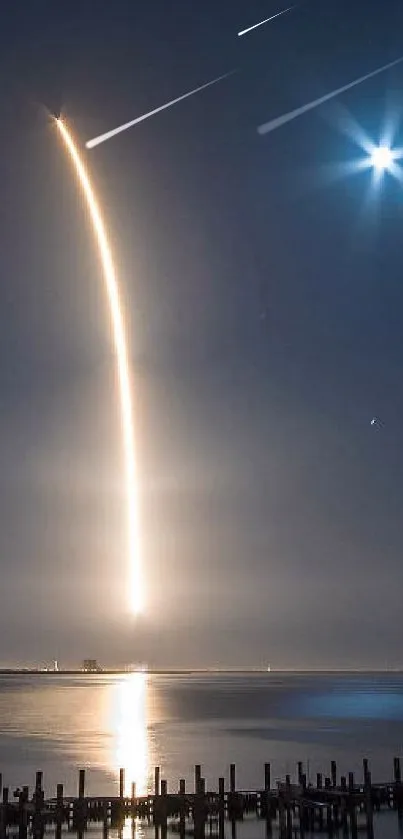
column 262, row 22
column 277, row 122
column 107, row 136
column 122, row 362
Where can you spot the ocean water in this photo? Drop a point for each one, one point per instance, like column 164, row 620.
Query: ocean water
column 60, row 723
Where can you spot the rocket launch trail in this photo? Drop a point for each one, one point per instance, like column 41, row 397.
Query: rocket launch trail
column 277, row 122
column 107, row 136
column 122, row 361
column 262, row 22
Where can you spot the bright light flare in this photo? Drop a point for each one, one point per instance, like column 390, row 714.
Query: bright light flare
column 382, row 158
column 120, row 344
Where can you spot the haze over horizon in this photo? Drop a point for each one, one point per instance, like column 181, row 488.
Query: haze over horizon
column 264, row 305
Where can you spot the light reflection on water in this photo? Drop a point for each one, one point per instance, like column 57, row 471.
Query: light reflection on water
column 59, row 723
column 129, row 725
column 386, row 827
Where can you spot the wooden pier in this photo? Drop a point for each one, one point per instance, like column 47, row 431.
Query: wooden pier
column 292, row 806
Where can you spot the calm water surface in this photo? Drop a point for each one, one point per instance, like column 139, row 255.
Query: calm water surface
column 60, row 723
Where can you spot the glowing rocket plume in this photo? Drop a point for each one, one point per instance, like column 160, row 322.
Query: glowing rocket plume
column 101, row 139
column 277, row 122
column 262, row 22
column 120, row 342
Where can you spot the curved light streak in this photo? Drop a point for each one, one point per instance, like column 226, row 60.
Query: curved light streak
column 120, row 343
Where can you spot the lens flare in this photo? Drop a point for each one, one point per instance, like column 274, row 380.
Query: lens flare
column 382, row 157
column 122, row 362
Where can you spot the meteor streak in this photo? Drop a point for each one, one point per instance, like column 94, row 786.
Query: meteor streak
column 122, row 362
column 262, row 22
column 101, row 139
column 267, row 127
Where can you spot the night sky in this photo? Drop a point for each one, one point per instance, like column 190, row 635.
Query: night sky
column 264, row 300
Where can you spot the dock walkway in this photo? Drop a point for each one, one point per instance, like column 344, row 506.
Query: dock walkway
column 333, row 803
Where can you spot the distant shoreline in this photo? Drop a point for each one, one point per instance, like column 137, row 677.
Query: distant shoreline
column 25, row 671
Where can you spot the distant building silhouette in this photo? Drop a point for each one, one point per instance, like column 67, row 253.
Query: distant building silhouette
column 90, row 665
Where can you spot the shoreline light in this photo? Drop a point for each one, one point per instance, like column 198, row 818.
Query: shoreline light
column 122, row 362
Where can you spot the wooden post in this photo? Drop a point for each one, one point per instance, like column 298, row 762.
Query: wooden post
column 288, row 814
column 157, row 781
column 221, row 792
column 121, row 783
column 232, row 777
column 266, row 798
column 221, row 807
column 300, row 770
column 286, row 818
column 344, row 818
column 59, row 800
column 22, row 816
column 163, row 808
column 199, row 810
column 197, row 777
column 368, row 805
column 80, row 808
column 397, row 792
column 182, row 807
column 59, row 810
column 221, row 827
column 81, row 783
column 4, row 813
column 333, row 773
column 365, row 768
column 38, row 791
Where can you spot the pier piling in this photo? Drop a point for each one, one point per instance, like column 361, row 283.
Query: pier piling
column 157, row 773
column 336, row 806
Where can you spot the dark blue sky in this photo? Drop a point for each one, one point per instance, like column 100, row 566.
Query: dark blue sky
column 265, row 309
